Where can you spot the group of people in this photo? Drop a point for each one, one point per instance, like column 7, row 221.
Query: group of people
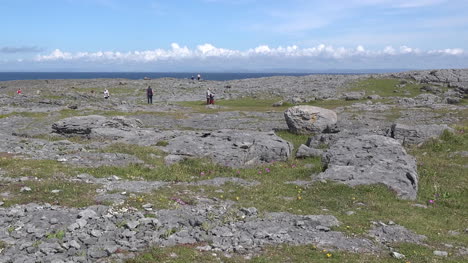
column 198, row 77
column 150, row 93
column 209, row 96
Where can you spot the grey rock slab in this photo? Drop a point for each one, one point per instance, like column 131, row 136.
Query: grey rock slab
column 219, row 181
column 305, row 151
column 83, row 125
column 395, row 234
column 355, row 95
column 415, row 134
column 372, row 159
column 440, row 253
column 88, row 159
column 309, row 119
column 232, row 148
column 132, row 186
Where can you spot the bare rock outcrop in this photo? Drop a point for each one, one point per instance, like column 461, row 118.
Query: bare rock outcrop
column 309, row 119
column 372, row 159
column 407, row 134
column 232, row 148
column 83, row 125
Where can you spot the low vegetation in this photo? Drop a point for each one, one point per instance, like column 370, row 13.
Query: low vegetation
column 443, row 178
column 387, row 87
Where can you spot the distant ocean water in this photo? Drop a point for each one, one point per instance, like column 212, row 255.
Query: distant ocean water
column 4, row 76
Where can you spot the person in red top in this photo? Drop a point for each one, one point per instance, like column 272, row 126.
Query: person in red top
column 19, row 91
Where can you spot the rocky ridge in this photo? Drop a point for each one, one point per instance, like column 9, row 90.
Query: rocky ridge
column 366, row 145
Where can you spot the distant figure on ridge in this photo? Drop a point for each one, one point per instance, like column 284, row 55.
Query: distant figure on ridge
column 149, row 95
column 106, row 94
column 192, row 78
column 198, row 77
column 19, row 91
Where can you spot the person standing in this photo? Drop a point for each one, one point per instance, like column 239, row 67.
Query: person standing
column 106, row 94
column 19, row 91
column 198, row 77
column 208, row 96
column 149, row 95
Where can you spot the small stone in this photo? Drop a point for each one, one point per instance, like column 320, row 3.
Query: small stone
column 62, row 160
column 88, row 213
column 390, row 223
column 397, row 255
column 74, row 244
column 128, row 233
column 419, row 205
column 1, row 203
column 113, row 178
column 350, row 213
column 73, row 226
column 81, row 222
column 440, row 253
column 111, row 248
column 132, row 224
column 322, row 228
column 96, row 233
column 25, row 189
column 56, row 191
column 453, row 233
column 53, row 221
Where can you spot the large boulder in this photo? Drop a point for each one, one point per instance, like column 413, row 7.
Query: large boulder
column 83, row 125
column 372, row 159
column 408, row 134
column 309, row 119
column 232, row 148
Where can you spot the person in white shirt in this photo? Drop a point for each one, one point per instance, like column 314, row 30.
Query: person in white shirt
column 106, row 94
column 208, row 96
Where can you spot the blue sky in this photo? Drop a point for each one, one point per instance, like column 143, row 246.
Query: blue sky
column 232, row 35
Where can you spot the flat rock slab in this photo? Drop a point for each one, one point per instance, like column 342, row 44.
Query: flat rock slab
column 372, row 159
column 232, row 148
column 83, row 125
column 394, row 234
column 88, row 159
column 408, row 134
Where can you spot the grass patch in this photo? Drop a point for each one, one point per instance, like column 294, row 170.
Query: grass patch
column 71, row 194
column 271, row 254
column 33, row 168
column 386, row 87
column 59, row 234
column 295, row 139
column 25, row 114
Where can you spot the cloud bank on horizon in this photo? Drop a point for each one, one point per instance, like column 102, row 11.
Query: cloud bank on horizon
column 260, row 35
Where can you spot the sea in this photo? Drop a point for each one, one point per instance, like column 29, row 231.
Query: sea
column 5, row 76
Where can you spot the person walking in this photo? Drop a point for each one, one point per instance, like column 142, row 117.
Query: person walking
column 106, row 94
column 149, row 95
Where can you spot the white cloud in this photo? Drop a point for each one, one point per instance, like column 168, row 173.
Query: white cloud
column 176, row 52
